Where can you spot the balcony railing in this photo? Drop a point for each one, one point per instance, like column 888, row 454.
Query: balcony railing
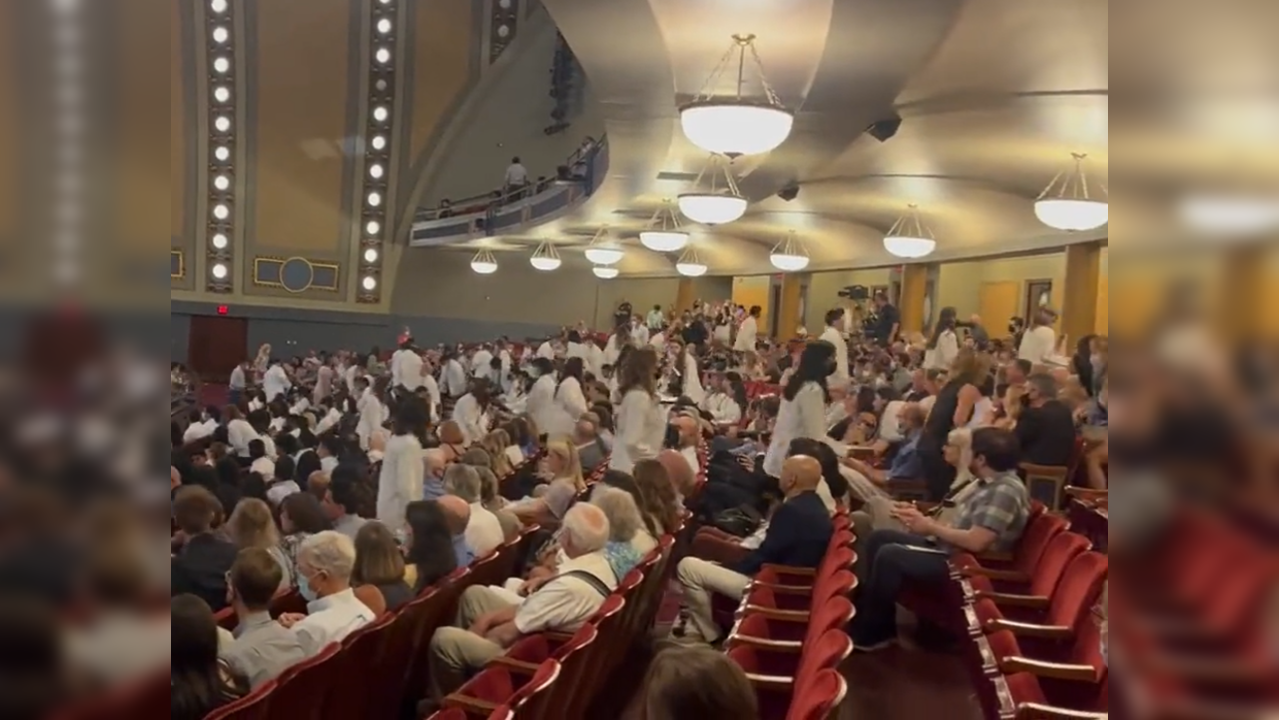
column 498, row 214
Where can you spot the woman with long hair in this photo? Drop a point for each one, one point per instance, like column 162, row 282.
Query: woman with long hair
column 954, row 407
column 562, row 473
column 803, row 410
column 640, row 421
column 943, row 346
column 252, row 526
column 690, row 372
column 693, row 683
column 201, row 683
column 569, row 399
column 429, row 540
column 1082, row 363
column 657, row 497
column 403, row 474
column 378, row 573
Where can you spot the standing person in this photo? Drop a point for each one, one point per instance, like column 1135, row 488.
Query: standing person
column 516, row 178
column 889, row 320
column 641, row 427
column 276, row 382
column 748, row 331
column 954, row 407
column 569, row 402
column 656, row 318
column 977, row 331
column 403, row 470
column 1040, row 341
column 803, row 409
column 1084, row 363
column 453, row 377
column 540, row 403
column 238, row 383
column 834, row 334
column 943, row 347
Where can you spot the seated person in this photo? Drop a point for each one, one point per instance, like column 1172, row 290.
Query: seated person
column 122, row 640
column 325, row 562
column 199, row 568
column 437, row 462
column 378, row 575
column 488, row 623
column 991, row 518
column 586, row 437
column 798, row 535
column 429, row 553
column 457, row 514
column 484, row 532
column 561, row 473
column 1046, row 427
column 906, row 464
column 262, row 648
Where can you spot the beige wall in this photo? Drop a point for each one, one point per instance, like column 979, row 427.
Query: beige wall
column 824, row 287
column 440, row 283
column 959, row 284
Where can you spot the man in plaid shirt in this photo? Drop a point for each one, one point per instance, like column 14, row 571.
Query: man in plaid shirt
column 991, row 519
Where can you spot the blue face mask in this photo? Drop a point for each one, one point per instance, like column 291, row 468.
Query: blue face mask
column 304, row 588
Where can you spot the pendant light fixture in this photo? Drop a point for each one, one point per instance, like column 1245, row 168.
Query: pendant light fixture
column 909, row 237
column 545, row 258
column 603, row 272
column 1068, row 203
column 736, row 125
column 484, row 263
column 789, row 255
column 602, row 250
column 690, row 264
column 664, row 233
column 715, row 205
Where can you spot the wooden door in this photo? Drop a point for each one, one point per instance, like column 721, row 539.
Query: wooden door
column 997, row 304
column 216, row 345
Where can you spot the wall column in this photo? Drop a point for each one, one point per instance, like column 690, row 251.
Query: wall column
column 685, row 296
column 1248, row 309
column 790, row 311
column 1079, row 296
column 914, row 297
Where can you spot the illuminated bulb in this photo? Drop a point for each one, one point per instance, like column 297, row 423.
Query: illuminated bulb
column 370, row 255
column 370, row 283
column 221, row 212
column 221, row 65
column 379, row 142
column 382, row 55
column 375, row 199
column 220, row 271
column 221, row 94
column 219, row 241
column 222, row 123
column 373, row 228
column 221, row 35
column 384, row 26
column 375, row 171
column 218, row 6
column 380, row 114
column 222, row 182
column 222, row 153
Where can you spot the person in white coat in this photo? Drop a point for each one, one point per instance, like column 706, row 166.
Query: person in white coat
column 540, row 402
column 546, row 350
column 471, row 413
column 748, row 331
column 640, row 421
column 834, row 334
column 453, row 376
column 943, row 347
column 275, row 382
column 594, row 358
column 691, row 373
column 803, row 409
column 482, row 362
column 403, row 471
column 722, row 402
column 411, row 369
column 372, row 412
column 613, row 348
column 576, row 348
column 569, row 401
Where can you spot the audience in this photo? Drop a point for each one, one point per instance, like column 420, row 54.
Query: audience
column 199, row 567
column 251, row 526
column 262, row 648
column 201, row 683
column 430, row 554
column 484, row 532
column 325, row 563
column 378, row 574
column 1046, row 427
column 487, row 623
column 696, row 683
column 342, row 502
column 457, row 515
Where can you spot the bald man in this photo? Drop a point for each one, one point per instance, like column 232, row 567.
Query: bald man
column 798, row 535
column 458, row 514
column 437, row 461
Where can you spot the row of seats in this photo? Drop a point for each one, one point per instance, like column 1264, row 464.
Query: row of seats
column 1030, row 617
column 789, row 633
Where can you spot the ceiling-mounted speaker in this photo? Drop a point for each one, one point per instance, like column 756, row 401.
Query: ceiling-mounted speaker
column 885, row 130
column 789, row 193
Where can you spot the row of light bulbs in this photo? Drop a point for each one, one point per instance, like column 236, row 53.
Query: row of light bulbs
column 382, row 99
column 736, row 126
column 221, row 139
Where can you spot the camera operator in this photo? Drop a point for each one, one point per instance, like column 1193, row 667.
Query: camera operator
column 889, row 323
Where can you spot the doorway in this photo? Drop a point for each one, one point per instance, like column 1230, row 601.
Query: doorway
column 216, row 345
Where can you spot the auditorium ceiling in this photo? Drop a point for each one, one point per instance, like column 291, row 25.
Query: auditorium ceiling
column 994, row 96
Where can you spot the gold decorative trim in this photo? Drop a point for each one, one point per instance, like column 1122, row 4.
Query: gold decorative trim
column 182, row 265
column 280, row 262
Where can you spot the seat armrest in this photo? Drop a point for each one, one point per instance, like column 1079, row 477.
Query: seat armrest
column 519, row 666
column 783, row 646
column 1034, row 602
column 789, row 570
column 775, row 683
column 973, row 622
column 472, row 706
column 1011, row 576
column 989, row 663
column 784, row 589
column 557, row 637
column 1046, row 632
column 1035, row 711
column 995, row 557
column 774, row 613
column 1057, row 671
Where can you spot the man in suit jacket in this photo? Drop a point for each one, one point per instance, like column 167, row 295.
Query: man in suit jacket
column 798, row 535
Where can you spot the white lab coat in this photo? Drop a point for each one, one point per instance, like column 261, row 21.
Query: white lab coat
column 747, row 335
column 833, row 336
column 568, row 406
column 276, row 382
column 453, row 379
column 481, row 363
column 803, row 417
column 372, row 414
column 433, row 390
column 595, row 360
column 540, row 404
column 693, row 389
column 723, row 409
column 401, row 481
column 641, row 431
column 943, row 356
column 239, row 434
column 471, row 419
column 411, row 371
column 546, row 350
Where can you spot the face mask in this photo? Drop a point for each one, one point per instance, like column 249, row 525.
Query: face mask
column 304, row 588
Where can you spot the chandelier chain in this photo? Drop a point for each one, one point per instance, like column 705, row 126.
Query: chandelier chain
column 741, row 44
